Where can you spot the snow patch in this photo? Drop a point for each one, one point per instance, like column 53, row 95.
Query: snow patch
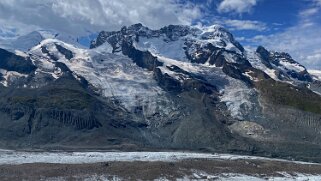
column 187, row 66
column 21, row 54
column 10, row 157
column 10, row 76
column 291, row 66
column 316, row 74
column 237, row 96
column 256, row 62
column 159, row 47
column 104, row 48
column 248, row 74
column 242, row 177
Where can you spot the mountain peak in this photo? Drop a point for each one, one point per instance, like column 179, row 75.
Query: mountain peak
column 186, row 41
column 286, row 66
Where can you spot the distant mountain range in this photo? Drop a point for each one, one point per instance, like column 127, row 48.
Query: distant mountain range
column 176, row 88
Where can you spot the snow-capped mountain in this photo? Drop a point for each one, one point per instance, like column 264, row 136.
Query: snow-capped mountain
column 178, row 87
column 285, row 67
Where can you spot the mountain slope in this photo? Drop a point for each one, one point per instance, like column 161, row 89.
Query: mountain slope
column 179, row 87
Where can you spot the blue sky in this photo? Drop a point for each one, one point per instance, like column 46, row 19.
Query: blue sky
column 293, row 26
column 282, row 25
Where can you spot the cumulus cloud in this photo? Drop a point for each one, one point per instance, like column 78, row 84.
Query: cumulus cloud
column 80, row 16
column 315, row 56
column 245, row 25
column 237, row 6
column 309, row 12
column 302, row 40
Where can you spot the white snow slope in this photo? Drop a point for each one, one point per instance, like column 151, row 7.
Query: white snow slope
column 11, row 157
column 117, row 76
column 114, row 76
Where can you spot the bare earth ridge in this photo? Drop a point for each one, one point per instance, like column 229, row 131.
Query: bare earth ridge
column 24, row 165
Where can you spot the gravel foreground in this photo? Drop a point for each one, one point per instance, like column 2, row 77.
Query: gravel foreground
column 149, row 166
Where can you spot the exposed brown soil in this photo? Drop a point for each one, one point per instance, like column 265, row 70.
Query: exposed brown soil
column 152, row 170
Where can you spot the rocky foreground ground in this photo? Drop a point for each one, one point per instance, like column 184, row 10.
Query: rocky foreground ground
column 149, row 166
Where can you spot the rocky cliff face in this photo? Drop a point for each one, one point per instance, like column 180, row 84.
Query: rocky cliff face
column 286, row 67
column 179, row 87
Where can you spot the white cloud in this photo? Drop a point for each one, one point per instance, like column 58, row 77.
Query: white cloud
column 245, row 25
column 302, row 40
column 309, row 12
column 313, row 57
column 79, row 16
column 238, row 6
column 308, row 17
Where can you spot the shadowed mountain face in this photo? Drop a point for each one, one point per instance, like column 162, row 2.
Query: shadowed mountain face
column 179, row 87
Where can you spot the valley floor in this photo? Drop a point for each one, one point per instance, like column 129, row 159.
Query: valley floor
column 23, row 165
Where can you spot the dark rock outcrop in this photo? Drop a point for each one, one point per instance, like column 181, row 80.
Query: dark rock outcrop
column 265, row 56
column 12, row 62
column 67, row 53
column 272, row 60
column 167, row 82
column 47, row 52
column 143, row 59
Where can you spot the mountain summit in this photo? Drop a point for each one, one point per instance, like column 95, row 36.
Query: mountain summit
column 179, row 87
